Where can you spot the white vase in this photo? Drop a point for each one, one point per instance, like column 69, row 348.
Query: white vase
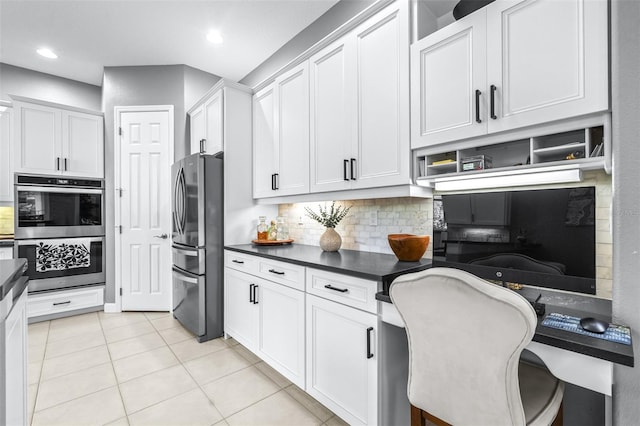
column 330, row 240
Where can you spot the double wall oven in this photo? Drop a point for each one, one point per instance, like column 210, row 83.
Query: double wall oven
column 59, row 229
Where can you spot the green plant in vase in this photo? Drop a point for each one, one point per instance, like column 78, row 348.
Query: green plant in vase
column 330, row 240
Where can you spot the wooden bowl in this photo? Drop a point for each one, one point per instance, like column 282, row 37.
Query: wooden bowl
column 408, row 247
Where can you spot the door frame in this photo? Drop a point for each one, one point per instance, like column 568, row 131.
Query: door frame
column 118, row 110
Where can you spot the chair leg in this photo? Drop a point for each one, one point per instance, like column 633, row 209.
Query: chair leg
column 419, row 418
column 558, row 421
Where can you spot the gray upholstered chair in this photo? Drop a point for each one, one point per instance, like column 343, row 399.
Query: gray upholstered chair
column 465, row 339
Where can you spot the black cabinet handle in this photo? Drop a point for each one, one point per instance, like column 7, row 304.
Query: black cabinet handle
column 344, row 169
column 493, row 101
column 65, row 164
column 341, row 290
column 478, row 93
column 203, row 145
column 277, row 181
column 238, row 261
column 273, row 271
column 353, row 173
column 57, row 163
column 251, row 292
column 273, row 182
column 255, row 296
column 369, row 354
column 62, row 303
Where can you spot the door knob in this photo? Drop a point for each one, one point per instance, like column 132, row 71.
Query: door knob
column 162, row 236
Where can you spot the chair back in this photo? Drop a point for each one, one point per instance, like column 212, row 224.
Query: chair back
column 465, row 338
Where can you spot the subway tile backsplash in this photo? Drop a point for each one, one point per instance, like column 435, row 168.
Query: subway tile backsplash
column 369, row 221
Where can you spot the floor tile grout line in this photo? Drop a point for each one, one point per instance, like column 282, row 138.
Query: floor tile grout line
column 124, row 407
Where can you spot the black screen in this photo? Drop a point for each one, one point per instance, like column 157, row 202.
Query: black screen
column 543, row 238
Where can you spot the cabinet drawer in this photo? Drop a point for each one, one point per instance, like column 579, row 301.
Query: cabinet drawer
column 63, row 301
column 350, row 291
column 241, row 262
column 282, row 272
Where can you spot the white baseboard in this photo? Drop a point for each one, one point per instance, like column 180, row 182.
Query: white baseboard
column 111, row 308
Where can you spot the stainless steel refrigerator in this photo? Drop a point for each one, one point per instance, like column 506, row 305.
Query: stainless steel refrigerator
column 197, row 249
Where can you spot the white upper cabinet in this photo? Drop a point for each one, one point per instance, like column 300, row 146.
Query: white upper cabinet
column 360, row 106
column 206, row 125
column 6, row 167
column 510, row 65
column 448, row 76
column 281, row 135
column 50, row 140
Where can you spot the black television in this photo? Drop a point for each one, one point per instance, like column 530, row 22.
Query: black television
column 544, row 238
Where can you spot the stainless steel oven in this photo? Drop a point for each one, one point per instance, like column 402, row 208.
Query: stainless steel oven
column 58, row 263
column 54, row 206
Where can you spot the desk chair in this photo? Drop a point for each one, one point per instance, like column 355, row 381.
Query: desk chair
column 465, row 339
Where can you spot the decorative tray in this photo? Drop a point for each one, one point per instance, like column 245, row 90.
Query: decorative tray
column 271, row 242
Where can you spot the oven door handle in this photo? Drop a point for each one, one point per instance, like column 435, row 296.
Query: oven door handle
column 33, row 241
column 59, row 189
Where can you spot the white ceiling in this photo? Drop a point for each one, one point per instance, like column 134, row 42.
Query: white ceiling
column 88, row 35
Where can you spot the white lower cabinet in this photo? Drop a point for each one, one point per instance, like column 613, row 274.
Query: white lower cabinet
column 342, row 361
column 6, row 252
column 13, row 364
column 268, row 319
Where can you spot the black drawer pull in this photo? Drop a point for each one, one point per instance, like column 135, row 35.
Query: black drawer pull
column 493, row 102
column 478, row 93
column 341, row 290
column 238, row 261
column 251, row 292
column 255, row 296
column 353, row 173
column 369, row 354
column 344, row 169
column 273, row 271
column 62, row 303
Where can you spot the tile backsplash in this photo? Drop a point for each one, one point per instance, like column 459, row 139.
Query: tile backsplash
column 369, row 221
column 6, row 220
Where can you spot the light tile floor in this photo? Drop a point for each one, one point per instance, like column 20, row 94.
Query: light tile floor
column 140, row 368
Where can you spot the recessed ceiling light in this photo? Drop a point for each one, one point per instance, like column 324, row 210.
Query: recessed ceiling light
column 47, row 53
column 214, row 37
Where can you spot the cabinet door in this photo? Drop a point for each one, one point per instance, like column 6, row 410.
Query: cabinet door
column 264, row 143
column 281, row 330
column 197, row 129
column 332, row 80
column 14, row 363
column 240, row 312
column 6, row 166
column 447, row 68
column 547, row 59
column 213, row 112
column 38, row 139
column 292, row 130
column 83, row 144
column 381, row 120
column 342, row 360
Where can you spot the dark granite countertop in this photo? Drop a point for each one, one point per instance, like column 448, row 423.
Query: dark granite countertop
column 10, row 270
column 372, row 266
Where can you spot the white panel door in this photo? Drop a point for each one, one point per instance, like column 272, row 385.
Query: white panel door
column 145, row 210
column 83, row 144
column 547, row 60
column 38, row 139
column 240, row 311
column 213, row 113
column 342, row 361
column 332, row 86
column 197, row 129
column 6, row 165
column 382, row 120
column 264, row 143
column 281, row 329
column 292, row 99
column 448, row 79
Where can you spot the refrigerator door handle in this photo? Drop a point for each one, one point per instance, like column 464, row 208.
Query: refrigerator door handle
column 184, row 276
